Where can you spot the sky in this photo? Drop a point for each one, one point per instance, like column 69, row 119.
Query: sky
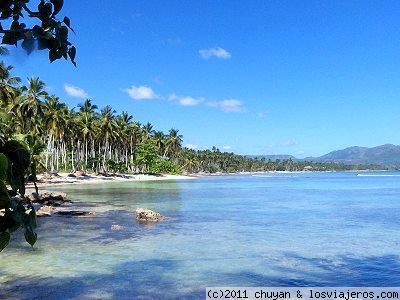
column 252, row 77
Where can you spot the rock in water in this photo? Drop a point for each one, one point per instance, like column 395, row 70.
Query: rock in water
column 147, row 215
column 47, row 196
column 45, row 211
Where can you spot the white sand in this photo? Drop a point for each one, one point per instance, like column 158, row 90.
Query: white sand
column 63, row 179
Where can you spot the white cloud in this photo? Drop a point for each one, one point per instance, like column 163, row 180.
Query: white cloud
column 141, row 92
column 192, row 146
column 185, row 101
column 214, row 52
column 226, row 147
column 75, row 91
column 228, row 105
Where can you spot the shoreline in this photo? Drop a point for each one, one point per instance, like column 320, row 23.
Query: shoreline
column 64, row 179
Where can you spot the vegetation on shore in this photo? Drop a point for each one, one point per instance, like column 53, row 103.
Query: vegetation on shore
column 18, row 161
column 38, row 132
column 90, row 139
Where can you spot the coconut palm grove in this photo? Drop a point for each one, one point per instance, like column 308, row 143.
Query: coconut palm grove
column 92, row 139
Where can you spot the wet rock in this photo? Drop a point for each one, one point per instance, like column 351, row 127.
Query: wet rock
column 71, row 175
column 75, row 213
column 49, row 198
column 45, row 211
column 147, row 215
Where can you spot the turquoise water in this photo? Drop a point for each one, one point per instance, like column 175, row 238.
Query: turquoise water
column 305, row 229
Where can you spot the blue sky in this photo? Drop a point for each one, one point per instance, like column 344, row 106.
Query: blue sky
column 252, row 77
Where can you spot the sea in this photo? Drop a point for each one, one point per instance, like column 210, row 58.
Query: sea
column 267, row 229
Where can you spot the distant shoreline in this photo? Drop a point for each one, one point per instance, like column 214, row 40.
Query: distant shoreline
column 64, row 179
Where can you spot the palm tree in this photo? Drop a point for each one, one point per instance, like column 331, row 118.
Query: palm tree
column 107, row 131
column 35, row 147
column 4, row 50
column 124, row 122
column 86, row 123
column 8, row 84
column 173, row 143
column 32, row 106
column 148, row 130
column 159, row 136
column 87, row 107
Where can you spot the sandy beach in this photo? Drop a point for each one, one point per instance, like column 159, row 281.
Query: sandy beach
column 66, row 179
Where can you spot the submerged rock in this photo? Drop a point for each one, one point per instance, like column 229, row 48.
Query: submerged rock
column 75, row 213
column 45, row 211
column 147, row 215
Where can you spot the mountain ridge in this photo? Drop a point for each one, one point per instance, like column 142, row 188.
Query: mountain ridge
column 387, row 155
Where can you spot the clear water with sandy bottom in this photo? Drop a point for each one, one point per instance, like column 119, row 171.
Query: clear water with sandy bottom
column 300, row 229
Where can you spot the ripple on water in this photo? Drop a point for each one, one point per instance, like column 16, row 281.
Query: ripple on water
column 321, row 229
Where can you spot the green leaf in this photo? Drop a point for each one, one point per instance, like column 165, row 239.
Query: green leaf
column 68, row 23
column 30, row 235
column 18, row 155
column 37, row 31
column 18, row 214
column 9, row 39
column 42, row 44
column 48, row 9
column 63, row 32
column 28, row 45
column 4, row 197
column 19, row 162
column 52, row 55
column 58, row 4
column 72, row 54
column 3, row 167
column 4, row 240
column 31, row 218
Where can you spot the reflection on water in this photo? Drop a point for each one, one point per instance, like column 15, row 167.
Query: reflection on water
column 312, row 229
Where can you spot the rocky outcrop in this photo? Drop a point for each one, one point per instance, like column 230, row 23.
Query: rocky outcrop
column 47, row 211
column 55, row 203
column 147, row 215
column 75, row 213
column 49, row 198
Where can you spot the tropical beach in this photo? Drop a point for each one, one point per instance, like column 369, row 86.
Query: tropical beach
column 65, row 178
column 204, row 149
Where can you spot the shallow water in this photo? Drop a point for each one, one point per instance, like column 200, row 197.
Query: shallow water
column 305, row 229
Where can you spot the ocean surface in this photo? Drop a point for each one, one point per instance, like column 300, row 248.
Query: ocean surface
column 298, row 229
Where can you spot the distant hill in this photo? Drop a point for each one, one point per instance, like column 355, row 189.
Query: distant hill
column 385, row 155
